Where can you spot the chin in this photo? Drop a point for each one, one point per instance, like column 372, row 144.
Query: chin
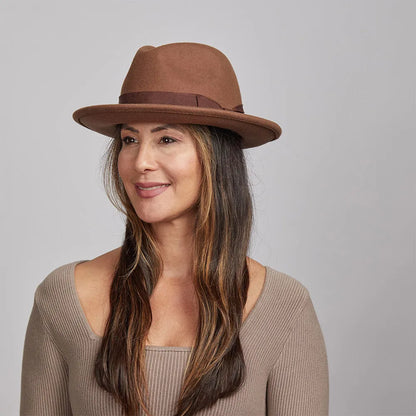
column 154, row 218
column 150, row 219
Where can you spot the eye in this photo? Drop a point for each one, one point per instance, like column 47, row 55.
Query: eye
column 126, row 139
column 167, row 138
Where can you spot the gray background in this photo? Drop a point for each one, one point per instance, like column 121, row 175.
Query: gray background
column 334, row 196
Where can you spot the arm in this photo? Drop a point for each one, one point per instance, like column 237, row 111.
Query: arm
column 44, row 383
column 298, row 383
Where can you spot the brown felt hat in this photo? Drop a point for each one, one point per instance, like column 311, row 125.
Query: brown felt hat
column 180, row 83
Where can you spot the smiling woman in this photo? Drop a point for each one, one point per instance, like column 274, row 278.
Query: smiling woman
column 178, row 320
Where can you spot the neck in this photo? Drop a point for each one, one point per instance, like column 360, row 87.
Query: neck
column 175, row 241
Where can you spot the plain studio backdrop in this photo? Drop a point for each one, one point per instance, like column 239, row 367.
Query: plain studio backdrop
column 334, row 196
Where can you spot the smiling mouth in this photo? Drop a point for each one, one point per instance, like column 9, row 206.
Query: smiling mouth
column 151, row 191
column 151, row 187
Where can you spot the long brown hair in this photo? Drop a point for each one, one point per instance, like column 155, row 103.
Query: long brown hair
column 224, row 216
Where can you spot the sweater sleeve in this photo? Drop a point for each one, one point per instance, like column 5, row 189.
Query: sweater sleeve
column 44, row 378
column 298, row 382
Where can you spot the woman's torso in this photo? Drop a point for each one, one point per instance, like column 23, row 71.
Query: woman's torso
column 283, row 312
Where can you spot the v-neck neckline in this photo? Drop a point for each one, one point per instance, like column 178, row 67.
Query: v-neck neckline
column 246, row 323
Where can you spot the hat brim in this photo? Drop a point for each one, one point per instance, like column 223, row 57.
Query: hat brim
column 103, row 119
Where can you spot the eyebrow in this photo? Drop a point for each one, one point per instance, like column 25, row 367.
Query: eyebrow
column 156, row 129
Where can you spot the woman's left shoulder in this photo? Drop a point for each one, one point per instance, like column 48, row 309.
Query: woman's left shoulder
column 284, row 304
column 286, row 297
column 286, row 283
column 277, row 281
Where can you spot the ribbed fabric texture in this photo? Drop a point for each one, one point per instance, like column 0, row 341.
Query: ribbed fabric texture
column 283, row 345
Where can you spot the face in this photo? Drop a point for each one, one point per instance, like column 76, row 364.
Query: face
column 166, row 155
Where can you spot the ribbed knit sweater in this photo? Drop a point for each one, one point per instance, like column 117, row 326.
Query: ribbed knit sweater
column 283, row 346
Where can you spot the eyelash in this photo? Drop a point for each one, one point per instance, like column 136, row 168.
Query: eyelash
column 124, row 139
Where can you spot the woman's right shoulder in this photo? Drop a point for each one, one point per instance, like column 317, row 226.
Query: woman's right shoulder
column 61, row 295
column 56, row 286
column 92, row 280
column 59, row 283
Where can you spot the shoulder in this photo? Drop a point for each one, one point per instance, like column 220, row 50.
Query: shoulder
column 93, row 278
column 281, row 285
column 54, row 285
column 104, row 262
column 281, row 295
column 58, row 295
column 54, row 298
column 286, row 299
column 60, row 281
column 285, row 285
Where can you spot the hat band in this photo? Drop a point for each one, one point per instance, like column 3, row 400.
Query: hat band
column 173, row 98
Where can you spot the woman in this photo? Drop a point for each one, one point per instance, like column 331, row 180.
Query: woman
column 178, row 320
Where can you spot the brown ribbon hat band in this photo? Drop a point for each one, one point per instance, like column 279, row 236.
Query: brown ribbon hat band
column 172, row 98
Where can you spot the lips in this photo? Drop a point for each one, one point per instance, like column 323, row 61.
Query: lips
column 150, row 189
column 149, row 184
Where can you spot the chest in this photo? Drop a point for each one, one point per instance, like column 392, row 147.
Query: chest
column 174, row 316
column 174, row 308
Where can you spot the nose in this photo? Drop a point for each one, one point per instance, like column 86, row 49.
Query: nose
column 145, row 158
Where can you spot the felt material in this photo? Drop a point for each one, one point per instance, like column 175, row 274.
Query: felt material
column 175, row 70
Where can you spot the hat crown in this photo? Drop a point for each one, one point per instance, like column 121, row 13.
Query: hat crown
column 190, row 68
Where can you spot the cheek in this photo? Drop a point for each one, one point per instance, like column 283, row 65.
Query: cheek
column 122, row 164
column 193, row 173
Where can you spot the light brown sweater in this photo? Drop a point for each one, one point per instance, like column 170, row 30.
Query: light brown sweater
column 284, row 350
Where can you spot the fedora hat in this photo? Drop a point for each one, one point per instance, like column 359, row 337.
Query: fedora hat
column 180, row 83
